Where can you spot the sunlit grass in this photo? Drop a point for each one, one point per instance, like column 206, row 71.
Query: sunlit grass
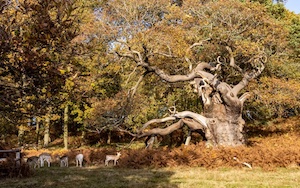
column 89, row 177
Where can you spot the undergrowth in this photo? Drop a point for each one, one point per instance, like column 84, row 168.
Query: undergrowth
column 268, row 147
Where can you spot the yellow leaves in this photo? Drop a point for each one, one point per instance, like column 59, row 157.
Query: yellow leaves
column 280, row 91
column 93, row 84
column 246, row 47
column 43, row 50
column 55, row 117
column 174, row 12
column 44, row 90
column 62, row 71
column 9, row 56
column 29, row 106
column 69, row 85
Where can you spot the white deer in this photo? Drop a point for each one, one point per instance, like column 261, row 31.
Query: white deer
column 33, row 161
column 44, row 157
column 64, row 161
column 115, row 158
column 79, row 159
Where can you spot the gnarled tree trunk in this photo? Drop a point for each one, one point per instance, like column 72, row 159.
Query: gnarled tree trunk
column 227, row 125
column 221, row 119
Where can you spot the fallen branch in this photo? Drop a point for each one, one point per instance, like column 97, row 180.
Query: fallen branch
column 244, row 163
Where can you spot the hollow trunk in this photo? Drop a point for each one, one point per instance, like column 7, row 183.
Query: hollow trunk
column 226, row 126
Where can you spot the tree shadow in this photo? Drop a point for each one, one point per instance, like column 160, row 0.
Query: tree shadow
column 89, row 177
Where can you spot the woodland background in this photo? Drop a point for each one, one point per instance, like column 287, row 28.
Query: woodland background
column 62, row 87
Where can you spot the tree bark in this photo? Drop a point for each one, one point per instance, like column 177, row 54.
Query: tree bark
column 227, row 127
column 66, row 121
column 21, row 135
column 83, row 134
column 47, row 131
column 188, row 138
column 108, row 141
column 37, row 131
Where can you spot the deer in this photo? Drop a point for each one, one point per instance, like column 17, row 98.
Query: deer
column 79, row 160
column 63, row 160
column 115, row 158
column 33, row 161
column 44, row 157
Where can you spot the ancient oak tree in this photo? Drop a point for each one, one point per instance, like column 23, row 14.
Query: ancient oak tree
column 218, row 48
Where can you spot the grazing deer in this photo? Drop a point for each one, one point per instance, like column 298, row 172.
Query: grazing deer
column 45, row 157
column 115, row 158
column 64, row 161
column 79, row 160
column 33, row 161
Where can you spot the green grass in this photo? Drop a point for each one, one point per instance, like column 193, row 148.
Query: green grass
column 89, row 177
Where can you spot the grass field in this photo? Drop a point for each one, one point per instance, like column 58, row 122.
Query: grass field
column 89, row 177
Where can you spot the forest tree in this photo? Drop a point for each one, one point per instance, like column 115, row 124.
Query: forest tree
column 218, row 47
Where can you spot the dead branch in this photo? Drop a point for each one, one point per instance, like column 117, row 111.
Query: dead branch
column 246, row 79
column 172, row 112
column 129, row 76
column 244, row 97
column 197, row 117
column 189, row 48
column 232, row 62
column 244, row 163
column 156, row 121
column 163, row 132
column 192, row 124
column 125, row 131
column 134, row 88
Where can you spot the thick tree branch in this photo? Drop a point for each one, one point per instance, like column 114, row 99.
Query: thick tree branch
column 139, row 59
column 244, row 97
column 163, row 132
column 202, row 70
column 156, row 121
column 197, row 117
column 192, row 124
column 197, row 122
column 246, row 79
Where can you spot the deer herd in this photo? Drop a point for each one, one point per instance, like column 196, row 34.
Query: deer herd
column 39, row 161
